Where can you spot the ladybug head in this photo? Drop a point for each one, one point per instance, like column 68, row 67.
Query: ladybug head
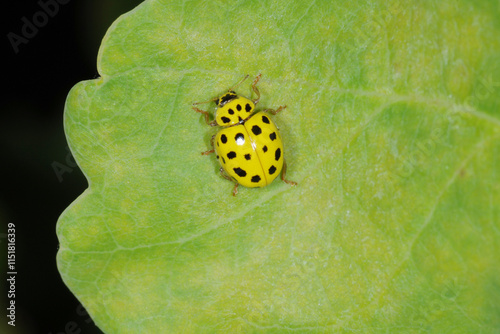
column 233, row 109
column 222, row 100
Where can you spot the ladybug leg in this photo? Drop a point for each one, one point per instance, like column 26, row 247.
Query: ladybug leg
column 283, row 175
column 274, row 112
column 212, row 150
column 227, row 177
column 207, row 116
column 208, row 152
column 235, row 189
column 255, row 89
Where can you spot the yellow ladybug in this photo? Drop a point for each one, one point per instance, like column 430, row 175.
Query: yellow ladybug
column 248, row 146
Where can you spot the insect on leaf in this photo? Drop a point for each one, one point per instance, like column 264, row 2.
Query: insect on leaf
column 392, row 132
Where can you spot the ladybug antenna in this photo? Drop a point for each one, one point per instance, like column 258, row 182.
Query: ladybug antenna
column 229, row 90
column 215, row 98
column 239, row 83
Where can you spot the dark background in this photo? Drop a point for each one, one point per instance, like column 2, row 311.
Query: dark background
column 32, row 143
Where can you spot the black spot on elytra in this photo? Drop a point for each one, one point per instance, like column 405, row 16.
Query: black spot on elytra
column 230, row 111
column 240, row 138
column 231, row 155
column 273, row 136
column 240, row 172
column 248, row 107
column 225, row 119
column 255, row 178
column 217, row 101
column 223, row 139
column 256, row 130
column 264, row 149
column 248, row 156
column 238, row 107
column 277, row 154
column 223, row 160
column 265, row 119
column 272, row 170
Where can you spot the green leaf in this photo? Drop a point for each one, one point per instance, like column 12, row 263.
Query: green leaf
column 392, row 133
